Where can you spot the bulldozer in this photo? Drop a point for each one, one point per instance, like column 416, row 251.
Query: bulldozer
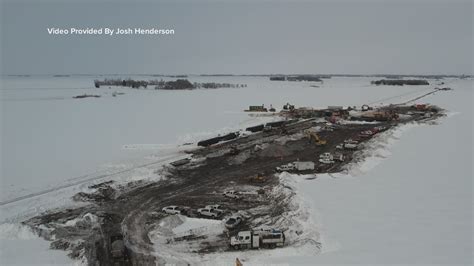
column 314, row 137
column 259, row 178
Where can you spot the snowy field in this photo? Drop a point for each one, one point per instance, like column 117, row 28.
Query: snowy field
column 410, row 203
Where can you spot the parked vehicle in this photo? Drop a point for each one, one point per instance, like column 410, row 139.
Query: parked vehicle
column 232, row 194
column 326, row 158
column 339, row 157
column 285, row 167
column 381, row 128
column 208, row 212
column 257, row 239
column 259, row 178
column 366, row 134
column 172, row 210
column 216, row 207
column 348, row 145
column 233, row 222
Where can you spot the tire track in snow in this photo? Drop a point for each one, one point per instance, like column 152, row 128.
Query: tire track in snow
column 46, row 191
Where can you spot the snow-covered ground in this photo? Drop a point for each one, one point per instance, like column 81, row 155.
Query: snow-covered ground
column 411, row 203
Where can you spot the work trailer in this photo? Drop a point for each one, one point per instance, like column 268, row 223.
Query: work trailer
column 258, row 239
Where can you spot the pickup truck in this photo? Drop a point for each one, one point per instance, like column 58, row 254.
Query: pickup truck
column 216, row 207
column 348, row 145
column 232, row 194
column 208, row 212
column 172, row 210
column 298, row 166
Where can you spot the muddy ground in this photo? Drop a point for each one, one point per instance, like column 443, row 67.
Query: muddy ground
column 131, row 212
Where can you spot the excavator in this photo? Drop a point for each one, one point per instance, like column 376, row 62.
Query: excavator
column 259, row 178
column 312, row 136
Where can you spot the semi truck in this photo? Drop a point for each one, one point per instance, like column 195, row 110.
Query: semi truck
column 257, row 239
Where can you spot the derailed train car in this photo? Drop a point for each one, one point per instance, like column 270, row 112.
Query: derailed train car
column 255, row 128
column 211, row 141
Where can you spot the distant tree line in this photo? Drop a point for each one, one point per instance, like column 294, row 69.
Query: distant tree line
column 213, row 85
column 122, row 82
column 179, row 84
column 317, row 78
column 400, row 82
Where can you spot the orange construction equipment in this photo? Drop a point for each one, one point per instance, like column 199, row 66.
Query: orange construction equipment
column 259, row 178
column 312, row 136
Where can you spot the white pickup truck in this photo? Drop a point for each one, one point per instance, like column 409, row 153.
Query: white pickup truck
column 208, row 212
column 172, row 210
column 216, row 207
column 212, row 211
column 232, row 194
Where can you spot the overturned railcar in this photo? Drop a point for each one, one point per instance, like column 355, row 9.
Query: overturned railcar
column 230, row 136
column 255, row 128
column 275, row 124
column 208, row 142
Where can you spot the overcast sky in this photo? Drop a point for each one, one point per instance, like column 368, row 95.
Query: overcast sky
column 360, row 37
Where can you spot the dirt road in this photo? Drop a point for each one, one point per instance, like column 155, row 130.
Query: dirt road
column 131, row 213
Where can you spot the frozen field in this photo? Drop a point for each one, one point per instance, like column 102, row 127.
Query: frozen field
column 411, row 203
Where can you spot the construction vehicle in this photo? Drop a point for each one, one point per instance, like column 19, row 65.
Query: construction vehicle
column 288, row 107
column 257, row 239
column 365, row 107
column 314, row 137
column 259, row 178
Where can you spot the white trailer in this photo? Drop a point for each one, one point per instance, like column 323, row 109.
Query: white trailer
column 299, row 166
column 257, row 239
column 302, row 166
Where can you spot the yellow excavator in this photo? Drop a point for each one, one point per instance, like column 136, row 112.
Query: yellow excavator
column 259, row 178
column 312, row 136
